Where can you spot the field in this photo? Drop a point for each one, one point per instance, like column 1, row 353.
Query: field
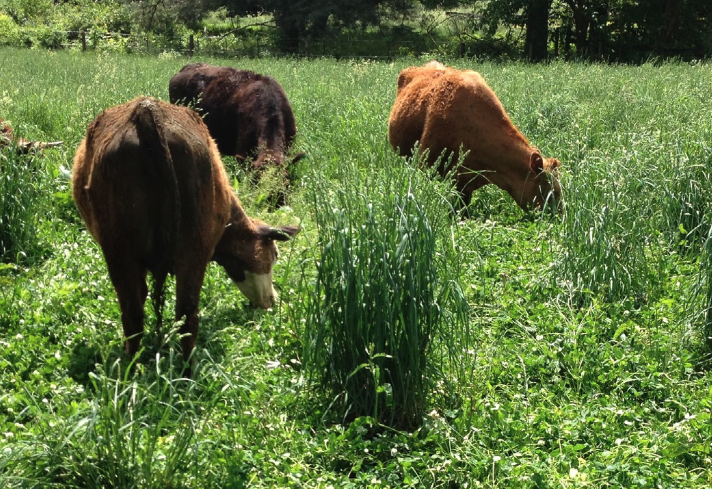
column 583, row 361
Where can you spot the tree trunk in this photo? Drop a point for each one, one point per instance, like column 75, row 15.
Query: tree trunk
column 581, row 23
column 289, row 32
column 672, row 8
column 597, row 30
column 537, row 38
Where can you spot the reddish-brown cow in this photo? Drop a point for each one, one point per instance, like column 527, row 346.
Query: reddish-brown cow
column 246, row 113
column 149, row 183
column 445, row 109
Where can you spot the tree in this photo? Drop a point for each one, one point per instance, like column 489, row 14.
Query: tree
column 532, row 14
column 637, row 29
column 588, row 18
column 537, row 36
column 299, row 20
column 163, row 15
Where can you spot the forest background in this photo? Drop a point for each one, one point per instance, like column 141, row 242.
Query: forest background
column 610, row 30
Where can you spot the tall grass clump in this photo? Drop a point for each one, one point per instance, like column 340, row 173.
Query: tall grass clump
column 22, row 202
column 387, row 319
column 705, row 286
column 685, row 199
column 132, row 431
column 605, row 233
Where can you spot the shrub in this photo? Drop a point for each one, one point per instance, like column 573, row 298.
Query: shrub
column 9, row 31
column 50, row 38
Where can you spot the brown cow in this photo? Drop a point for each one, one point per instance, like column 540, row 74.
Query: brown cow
column 149, row 183
column 244, row 111
column 445, row 109
column 7, row 138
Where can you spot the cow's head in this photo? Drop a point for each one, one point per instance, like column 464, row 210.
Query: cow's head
column 542, row 189
column 248, row 255
column 268, row 157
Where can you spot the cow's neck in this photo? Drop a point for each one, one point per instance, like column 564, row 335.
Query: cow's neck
column 238, row 217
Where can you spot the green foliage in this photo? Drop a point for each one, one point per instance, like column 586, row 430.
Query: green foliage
column 604, row 239
column 9, row 31
column 23, row 185
column 87, row 15
column 50, row 38
column 621, row 30
column 686, row 205
column 135, row 432
column 387, row 305
column 672, row 28
column 611, row 230
column 43, row 24
column 23, row 11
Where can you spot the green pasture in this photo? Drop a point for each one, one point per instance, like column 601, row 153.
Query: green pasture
column 562, row 351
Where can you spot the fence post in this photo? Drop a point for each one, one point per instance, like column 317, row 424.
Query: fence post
column 84, row 42
column 191, row 45
column 462, row 49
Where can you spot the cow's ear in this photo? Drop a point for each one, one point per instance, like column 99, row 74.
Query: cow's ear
column 536, row 163
column 278, row 233
column 404, row 78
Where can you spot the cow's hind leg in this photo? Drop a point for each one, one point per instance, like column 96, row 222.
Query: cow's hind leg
column 129, row 280
column 189, row 280
column 158, row 296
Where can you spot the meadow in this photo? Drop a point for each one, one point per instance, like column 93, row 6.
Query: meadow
column 583, row 360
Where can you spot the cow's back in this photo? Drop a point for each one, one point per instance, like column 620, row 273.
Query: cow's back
column 142, row 178
column 444, row 109
column 264, row 115
column 448, row 111
column 244, row 111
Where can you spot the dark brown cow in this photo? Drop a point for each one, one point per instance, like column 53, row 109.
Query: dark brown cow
column 149, row 183
column 7, row 138
column 246, row 113
column 445, row 109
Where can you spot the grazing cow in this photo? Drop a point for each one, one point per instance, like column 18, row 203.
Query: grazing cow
column 149, row 183
column 7, row 138
column 445, row 109
column 245, row 112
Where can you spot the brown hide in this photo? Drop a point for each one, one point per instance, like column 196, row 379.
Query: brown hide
column 150, row 185
column 7, row 138
column 445, row 109
column 246, row 113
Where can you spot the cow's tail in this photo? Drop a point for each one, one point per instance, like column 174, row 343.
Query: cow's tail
column 150, row 128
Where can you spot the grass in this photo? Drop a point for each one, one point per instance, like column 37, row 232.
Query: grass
column 589, row 329
column 387, row 310
column 23, row 180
